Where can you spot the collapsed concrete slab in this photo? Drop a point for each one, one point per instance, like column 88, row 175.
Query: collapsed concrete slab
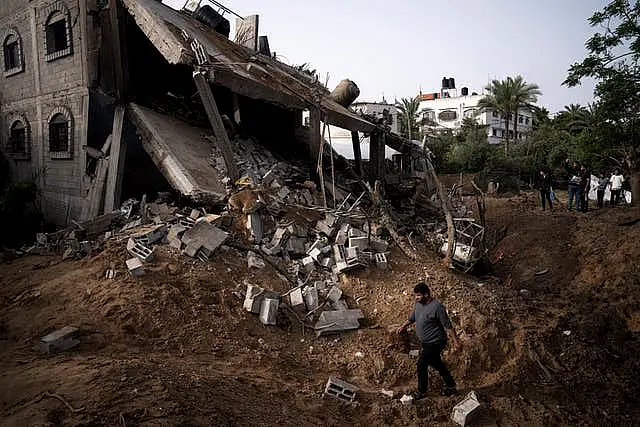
column 203, row 237
column 338, row 321
column 181, row 153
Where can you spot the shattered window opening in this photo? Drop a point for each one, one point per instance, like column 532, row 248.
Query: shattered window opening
column 59, row 134
column 57, row 36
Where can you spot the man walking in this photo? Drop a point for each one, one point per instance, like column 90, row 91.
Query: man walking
column 616, row 187
column 431, row 320
column 602, row 186
column 544, row 185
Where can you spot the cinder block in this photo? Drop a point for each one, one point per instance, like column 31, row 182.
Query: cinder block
column 381, row 261
column 269, row 309
column 335, row 293
column 254, row 225
column 280, row 237
column 308, row 264
column 311, row 297
column 466, row 410
column 341, row 390
column 253, row 299
column 58, row 341
column 314, row 253
column 139, row 250
column 135, row 267
column 150, row 235
column 351, row 253
column 296, row 300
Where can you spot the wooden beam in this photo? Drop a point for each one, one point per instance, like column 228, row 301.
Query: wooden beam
column 219, row 131
column 357, row 153
column 314, row 140
column 116, row 162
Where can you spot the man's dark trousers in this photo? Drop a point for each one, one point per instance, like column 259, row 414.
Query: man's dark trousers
column 430, row 356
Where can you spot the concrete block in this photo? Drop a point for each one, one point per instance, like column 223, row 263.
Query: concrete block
column 340, row 305
column 381, row 261
column 323, row 227
column 406, row 399
column 311, row 297
column 203, row 236
column 361, row 243
column 254, row 225
column 315, row 253
column 296, row 245
column 296, row 300
column 283, row 193
column 337, row 321
column 176, row 231
column 335, row 293
column 150, row 235
column 339, row 253
column 351, row 253
column 337, row 316
column 195, row 214
column 269, row 309
column 378, row 245
column 326, row 262
column 355, row 232
column 139, row 250
column 135, row 267
column 253, row 299
column 308, row 264
column 465, row 411
column 58, row 341
column 280, row 237
column 270, row 250
column 187, row 222
column 341, row 390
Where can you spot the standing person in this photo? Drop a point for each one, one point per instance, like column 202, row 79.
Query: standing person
column 573, row 186
column 431, row 320
column 616, row 187
column 544, row 185
column 585, row 179
column 602, row 186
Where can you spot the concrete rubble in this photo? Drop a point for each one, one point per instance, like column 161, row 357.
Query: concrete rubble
column 341, row 390
column 58, row 341
column 465, row 411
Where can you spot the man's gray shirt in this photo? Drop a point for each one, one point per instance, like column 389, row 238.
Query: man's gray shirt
column 431, row 320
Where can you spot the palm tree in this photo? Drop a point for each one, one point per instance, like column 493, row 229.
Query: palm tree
column 499, row 100
column 408, row 115
column 575, row 118
column 524, row 95
column 540, row 116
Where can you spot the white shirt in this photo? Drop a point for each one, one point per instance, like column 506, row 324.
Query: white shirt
column 616, row 182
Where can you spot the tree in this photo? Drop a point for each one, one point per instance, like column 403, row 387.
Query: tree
column 408, row 110
column 524, row 95
column 613, row 61
column 499, row 100
column 574, row 119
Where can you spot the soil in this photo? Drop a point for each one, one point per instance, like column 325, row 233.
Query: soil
column 550, row 335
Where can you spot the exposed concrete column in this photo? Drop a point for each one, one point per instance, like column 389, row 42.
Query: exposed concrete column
column 357, row 154
column 116, row 162
column 314, row 139
column 216, row 122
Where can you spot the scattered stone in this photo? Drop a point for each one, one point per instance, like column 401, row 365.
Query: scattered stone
column 388, row 393
column 341, row 390
column 406, row 399
column 296, row 300
column 254, row 261
column 59, row 341
column 465, row 411
column 135, row 267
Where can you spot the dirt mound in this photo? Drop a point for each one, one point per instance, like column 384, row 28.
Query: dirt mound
column 176, row 348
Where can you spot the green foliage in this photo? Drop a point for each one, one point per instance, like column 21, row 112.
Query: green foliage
column 408, row 116
column 470, row 152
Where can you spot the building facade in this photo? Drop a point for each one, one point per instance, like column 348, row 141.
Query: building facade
column 49, row 65
column 446, row 110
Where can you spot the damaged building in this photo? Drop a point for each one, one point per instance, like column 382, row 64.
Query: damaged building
column 104, row 100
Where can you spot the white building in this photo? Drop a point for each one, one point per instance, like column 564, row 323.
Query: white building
column 341, row 138
column 447, row 109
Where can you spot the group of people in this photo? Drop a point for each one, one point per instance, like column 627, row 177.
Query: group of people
column 578, row 187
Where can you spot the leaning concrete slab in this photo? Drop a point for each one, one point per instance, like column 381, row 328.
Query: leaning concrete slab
column 181, row 153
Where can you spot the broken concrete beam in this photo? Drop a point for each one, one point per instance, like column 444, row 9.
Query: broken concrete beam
column 311, row 297
column 335, row 293
column 269, row 309
column 203, row 236
column 254, row 225
column 135, row 267
column 465, row 411
column 58, row 341
column 361, row 243
column 381, row 261
column 341, row 390
column 253, row 299
column 139, row 250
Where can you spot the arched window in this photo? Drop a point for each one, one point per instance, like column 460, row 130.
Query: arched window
column 12, row 53
column 57, row 30
column 60, row 134
column 18, row 142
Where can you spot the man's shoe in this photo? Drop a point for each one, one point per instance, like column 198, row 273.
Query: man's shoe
column 418, row 396
column 449, row 391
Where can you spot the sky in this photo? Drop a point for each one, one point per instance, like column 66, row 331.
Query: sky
column 397, row 49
